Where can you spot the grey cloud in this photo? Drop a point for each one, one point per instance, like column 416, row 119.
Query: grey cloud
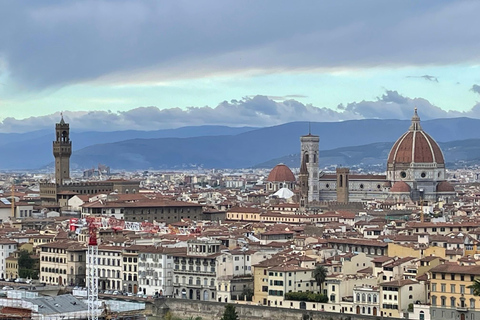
column 250, row 111
column 426, row 77
column 476, row 88
column 49, row 43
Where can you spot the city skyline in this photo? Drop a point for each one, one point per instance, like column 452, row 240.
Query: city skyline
column 148, row 65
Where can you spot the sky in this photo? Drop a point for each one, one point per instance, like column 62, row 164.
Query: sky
column 149, row 65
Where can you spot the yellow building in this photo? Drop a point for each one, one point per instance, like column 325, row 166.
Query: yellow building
column 450, row 295
column 39, row 239
column 62, row 263
column 282, row 274
column 244, row 214
column 402, row 251
column 11, row 264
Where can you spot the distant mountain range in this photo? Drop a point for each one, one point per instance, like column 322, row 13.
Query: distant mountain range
column 33, row 150
column 346, row 143
column 374, row 156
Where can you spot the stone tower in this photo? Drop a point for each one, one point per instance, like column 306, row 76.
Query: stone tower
column 309, row 155
column 342, row 185
column 62, row 150
column 303, row 183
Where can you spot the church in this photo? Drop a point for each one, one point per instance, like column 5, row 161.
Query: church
column 415, row 171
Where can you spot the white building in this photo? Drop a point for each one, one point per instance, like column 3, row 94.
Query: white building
column 110, row 271
column 155, row 270
column 234, row 274
column 7, row 247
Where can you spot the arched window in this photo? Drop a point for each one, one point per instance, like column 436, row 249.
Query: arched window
column 358, row 297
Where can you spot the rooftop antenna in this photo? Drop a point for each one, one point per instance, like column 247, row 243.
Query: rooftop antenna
column 309, row 128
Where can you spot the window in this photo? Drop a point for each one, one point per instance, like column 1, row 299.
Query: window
column 444, row 301
column 452, row 288
column 443, row 287
column 434, row 300
column 462, row 288
column 452, row 302
column 434, row 287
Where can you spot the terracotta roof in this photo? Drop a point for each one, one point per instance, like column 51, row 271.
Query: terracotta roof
column 398, row 283
column 445, row 186
column 455, row 268
column 400, row 186
column 281, row 173
column 416, row 146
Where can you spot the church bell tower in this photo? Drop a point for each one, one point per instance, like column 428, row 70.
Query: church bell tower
column 62, row 150
column 309, row 157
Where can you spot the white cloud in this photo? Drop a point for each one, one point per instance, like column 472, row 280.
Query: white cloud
column 249, row 111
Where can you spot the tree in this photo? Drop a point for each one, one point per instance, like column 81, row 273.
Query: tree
column 320, row 274
column 26, row 265
column 230, row 313
column 476, row 287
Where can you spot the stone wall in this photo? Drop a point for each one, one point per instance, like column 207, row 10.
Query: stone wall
column 207, row 310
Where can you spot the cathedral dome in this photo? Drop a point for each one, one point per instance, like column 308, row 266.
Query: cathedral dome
column 281, row 173
column 415, row 146
column 445, row 186
column 400, row 187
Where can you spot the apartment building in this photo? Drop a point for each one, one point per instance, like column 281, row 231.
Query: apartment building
column 110, row 272
column 397, row 295
column 195, row 270
column 234, row 274
column 7, row 247
column 450, row 295
column 63, row 263
column 155, row 270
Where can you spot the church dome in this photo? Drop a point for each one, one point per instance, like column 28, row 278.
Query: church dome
column 401, row 187
column 415, row 146
column 445, row 186
column 281, row 173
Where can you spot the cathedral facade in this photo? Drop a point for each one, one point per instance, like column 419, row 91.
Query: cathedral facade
column 415, row 171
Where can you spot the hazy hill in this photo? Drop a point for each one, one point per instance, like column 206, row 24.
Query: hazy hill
column 34, row 149
column 376, row 154
column 225, row 147
column 257, row 146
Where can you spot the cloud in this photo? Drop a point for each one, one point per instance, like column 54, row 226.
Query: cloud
column 249, row 111
column 426, row 77
column 476, row 88
column 52, row 44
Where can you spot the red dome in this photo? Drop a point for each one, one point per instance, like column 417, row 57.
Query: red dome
column 415, row 146
column 445, row 186
column 400, row 186
column 281, row 173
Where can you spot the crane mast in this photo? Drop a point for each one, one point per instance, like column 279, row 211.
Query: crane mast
column 92, row 261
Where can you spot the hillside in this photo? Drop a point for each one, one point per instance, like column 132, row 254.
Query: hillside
column 254, row 147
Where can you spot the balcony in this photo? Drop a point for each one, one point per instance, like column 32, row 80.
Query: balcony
column 462, row 308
